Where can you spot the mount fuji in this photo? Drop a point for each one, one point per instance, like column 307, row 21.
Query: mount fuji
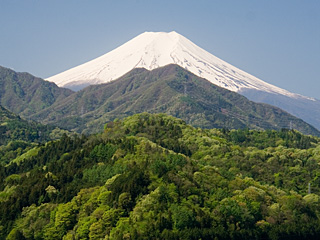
column 151, row 50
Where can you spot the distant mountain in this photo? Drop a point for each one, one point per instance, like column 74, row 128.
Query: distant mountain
column 306, row 109
column 25, row 94
column 172, row 90
column 151, row 50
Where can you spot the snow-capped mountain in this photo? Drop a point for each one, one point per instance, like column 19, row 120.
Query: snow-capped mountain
column 151, row 50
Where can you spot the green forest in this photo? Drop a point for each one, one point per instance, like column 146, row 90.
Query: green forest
column 152, row 176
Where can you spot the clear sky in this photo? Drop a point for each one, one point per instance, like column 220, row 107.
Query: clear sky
column 277, row 41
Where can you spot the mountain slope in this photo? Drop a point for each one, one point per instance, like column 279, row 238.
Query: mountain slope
column 151, row 50
column 306, row 109
column 25, row 94
column 172, row 90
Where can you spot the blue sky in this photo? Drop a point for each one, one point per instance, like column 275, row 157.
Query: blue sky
column 277, row 41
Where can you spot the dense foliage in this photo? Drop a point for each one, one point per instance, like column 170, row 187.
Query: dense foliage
column 154, row 177
column 18, row 136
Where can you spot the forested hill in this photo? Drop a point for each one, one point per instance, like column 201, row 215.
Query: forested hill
column 13, row 128
column 155, row 177
column 25, row 94
column 17, row 136
column 171, row 90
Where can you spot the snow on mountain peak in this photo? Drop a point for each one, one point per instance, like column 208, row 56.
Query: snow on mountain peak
column 151, row 50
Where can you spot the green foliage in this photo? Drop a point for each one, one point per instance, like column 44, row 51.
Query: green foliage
column 19, row 138
column 155, row 177
column 270, row 138
column 182, row 217
column 14, row 128
column 100, row 172
column 102, row 152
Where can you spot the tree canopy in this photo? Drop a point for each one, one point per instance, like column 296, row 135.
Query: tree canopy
column 152, row 176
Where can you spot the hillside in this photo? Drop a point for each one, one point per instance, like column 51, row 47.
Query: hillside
column 18, row 136
column 13, row 128
column 171, row 90
column 25, row 94
column 154, row 177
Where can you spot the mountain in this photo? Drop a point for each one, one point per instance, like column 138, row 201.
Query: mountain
column 172, row 90
column 304, row 108
column 151, row 176
column 151, row 50
column 25, row 94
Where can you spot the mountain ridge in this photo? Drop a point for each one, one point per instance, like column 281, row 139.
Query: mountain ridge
column 89, row 109
column 171, row 90
column 25, row 94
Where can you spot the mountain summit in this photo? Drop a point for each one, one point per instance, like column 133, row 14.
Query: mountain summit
column 151, row 50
